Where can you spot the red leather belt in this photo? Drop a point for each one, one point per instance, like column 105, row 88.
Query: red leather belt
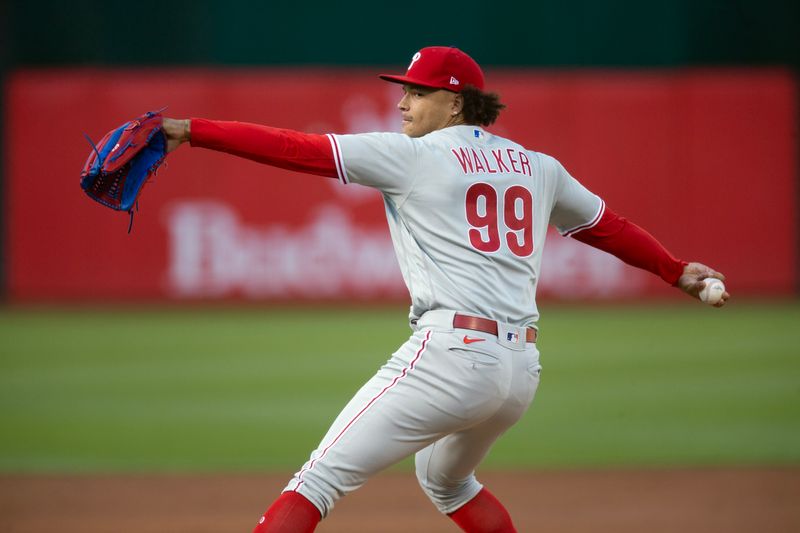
column 485, row 325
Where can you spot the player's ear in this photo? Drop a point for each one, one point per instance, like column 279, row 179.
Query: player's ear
column 457, row 105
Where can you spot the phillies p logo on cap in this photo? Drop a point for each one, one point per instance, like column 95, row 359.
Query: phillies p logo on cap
column 413, row 60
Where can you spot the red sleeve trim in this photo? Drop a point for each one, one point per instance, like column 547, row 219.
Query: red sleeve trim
column 633, row 245
column 293, row 150
column 337, row 158
column 589, row 224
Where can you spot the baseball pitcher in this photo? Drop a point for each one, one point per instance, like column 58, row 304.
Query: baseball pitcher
column 468, row 213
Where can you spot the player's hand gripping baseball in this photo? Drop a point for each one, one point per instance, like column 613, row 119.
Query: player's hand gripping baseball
column 176, row 131
column 691, row 282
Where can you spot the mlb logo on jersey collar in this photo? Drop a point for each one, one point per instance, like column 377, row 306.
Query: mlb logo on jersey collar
column 477, row 133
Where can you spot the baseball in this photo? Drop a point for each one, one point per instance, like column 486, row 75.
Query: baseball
column 713, row 291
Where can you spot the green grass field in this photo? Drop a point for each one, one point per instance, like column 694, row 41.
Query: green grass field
column 250, row 389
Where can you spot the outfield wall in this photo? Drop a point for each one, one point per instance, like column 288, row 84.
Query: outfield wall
column 705, row 159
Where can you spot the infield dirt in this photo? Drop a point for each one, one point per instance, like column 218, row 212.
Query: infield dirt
column 653, row 501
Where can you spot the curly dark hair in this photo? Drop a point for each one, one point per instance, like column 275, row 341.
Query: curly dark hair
column 480, row 107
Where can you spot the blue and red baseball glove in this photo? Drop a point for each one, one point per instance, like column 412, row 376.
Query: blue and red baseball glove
column 121, row 163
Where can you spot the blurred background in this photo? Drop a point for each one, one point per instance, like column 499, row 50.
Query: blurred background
column 248, row 303
column 681, row 115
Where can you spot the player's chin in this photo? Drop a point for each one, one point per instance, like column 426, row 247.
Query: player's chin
column 412, row 131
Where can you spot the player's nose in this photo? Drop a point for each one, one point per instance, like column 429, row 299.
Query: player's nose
column 402, row 105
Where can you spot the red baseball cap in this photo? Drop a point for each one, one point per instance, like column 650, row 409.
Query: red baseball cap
column 440, row 67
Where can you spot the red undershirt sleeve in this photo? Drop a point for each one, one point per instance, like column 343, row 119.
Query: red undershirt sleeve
column 633, row 245
column 292, row 150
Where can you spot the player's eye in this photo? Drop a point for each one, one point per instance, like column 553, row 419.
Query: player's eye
column 415, row 93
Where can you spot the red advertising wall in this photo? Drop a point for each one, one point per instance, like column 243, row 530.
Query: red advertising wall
column 705, row 160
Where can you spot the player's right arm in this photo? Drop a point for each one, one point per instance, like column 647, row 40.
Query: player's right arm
column 607, row 231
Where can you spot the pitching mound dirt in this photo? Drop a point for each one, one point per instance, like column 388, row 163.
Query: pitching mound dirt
column 685, row 501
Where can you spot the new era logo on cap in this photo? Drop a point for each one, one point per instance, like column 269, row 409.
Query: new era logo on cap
column 441, row 67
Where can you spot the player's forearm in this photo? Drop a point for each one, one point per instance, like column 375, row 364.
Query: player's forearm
column 633, row 245
column 292, row 150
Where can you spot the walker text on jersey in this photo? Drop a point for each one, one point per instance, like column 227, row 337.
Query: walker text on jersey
column 507, row 161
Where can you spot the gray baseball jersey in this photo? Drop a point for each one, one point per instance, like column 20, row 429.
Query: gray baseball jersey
column 468, row 213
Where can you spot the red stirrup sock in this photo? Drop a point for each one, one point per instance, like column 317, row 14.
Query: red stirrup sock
column 290, row 513
column 483, row 514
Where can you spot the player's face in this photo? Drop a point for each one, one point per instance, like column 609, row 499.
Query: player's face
column 425, row 110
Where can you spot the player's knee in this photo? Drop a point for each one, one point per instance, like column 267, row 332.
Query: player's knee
column 448, row 494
